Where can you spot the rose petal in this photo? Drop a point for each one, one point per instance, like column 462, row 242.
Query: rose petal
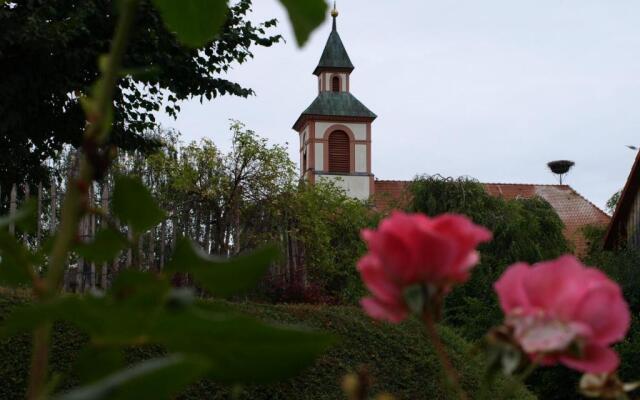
column 510, row 289
column 378, row 310
column 596, row 359
column 555, row 286
column 539, row 336
column 376, row 280
column 605, row 311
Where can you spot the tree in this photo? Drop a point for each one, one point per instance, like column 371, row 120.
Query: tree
column 612, row 203
column 526, row 230
column 48, row 53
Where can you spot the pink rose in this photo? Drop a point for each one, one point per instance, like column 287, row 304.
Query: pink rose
column 410, row 249
column 562, row 311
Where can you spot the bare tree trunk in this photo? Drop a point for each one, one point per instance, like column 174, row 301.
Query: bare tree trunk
column 151, row 256
column 130, row 251
column 208, row 236
column 140, row 254
column 115, row 267
column 80, row 265
column 54, row 205
column 174, row 234
column 93, row 265
column 163, row 239
column 196, row 228
column 105, row 206
column 39, row 216
column 13, row 205
column 236, row 223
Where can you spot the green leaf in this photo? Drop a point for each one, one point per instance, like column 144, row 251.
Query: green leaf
column 24, row 218
column 105, row 247
column 133, row 205
column 222, row 277
column 96, row 362
column 195, row 22
column 305, row 16
column 160, row 378
column 240, row 349
column 137, row 288
column 108, row 323
column 15, row 261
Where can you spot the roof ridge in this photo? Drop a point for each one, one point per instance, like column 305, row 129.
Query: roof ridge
column 589, row 201
column 525, row 184
column 552, row 185
column 393, row 180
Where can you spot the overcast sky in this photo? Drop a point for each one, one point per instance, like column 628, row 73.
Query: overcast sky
column 486, row 88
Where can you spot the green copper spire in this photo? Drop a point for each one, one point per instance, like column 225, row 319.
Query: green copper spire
column 334, row 55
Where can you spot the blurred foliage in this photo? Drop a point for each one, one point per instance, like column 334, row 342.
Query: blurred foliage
column 398, row 358
column 48, row 59
column 526, row 230
column 141, row 308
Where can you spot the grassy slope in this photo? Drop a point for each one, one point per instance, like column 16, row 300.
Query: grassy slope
column 398, row 358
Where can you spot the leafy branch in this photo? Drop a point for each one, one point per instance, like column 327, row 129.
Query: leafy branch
column 141, row 308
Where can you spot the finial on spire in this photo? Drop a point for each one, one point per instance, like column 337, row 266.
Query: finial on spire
column 334, row 14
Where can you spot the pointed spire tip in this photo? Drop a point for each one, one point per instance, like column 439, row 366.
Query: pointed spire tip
column 334, row 14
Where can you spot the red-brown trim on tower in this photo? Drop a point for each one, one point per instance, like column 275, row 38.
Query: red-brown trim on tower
column 338, row 127
column 319, row 71
column 312, row 152
column 369, row 148
column 331, row 118
column 352, row 156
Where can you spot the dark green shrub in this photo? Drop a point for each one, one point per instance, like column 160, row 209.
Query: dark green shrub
column 524, row 230
column 398, row 357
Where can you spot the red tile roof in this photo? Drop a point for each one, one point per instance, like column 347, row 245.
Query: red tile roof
column 389, row 195
column 575, row 211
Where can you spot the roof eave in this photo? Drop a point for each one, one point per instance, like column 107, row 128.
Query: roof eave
column 338, row 118
column 320, row 69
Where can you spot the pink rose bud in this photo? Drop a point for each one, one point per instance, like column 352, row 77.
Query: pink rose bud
column 562, row 311
column 413, row 249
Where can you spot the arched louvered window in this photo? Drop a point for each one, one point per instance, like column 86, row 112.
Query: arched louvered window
column 339, row 160
column 335, row 84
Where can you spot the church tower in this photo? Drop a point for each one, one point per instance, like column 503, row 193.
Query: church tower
column 335, row 130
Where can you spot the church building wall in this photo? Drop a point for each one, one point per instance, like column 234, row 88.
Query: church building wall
column 319, row 156
column 359, row 130
column 357, row 186
column 361, row 158
column 325, row 81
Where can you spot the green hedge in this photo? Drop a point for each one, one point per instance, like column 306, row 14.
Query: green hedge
column 398, row 357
